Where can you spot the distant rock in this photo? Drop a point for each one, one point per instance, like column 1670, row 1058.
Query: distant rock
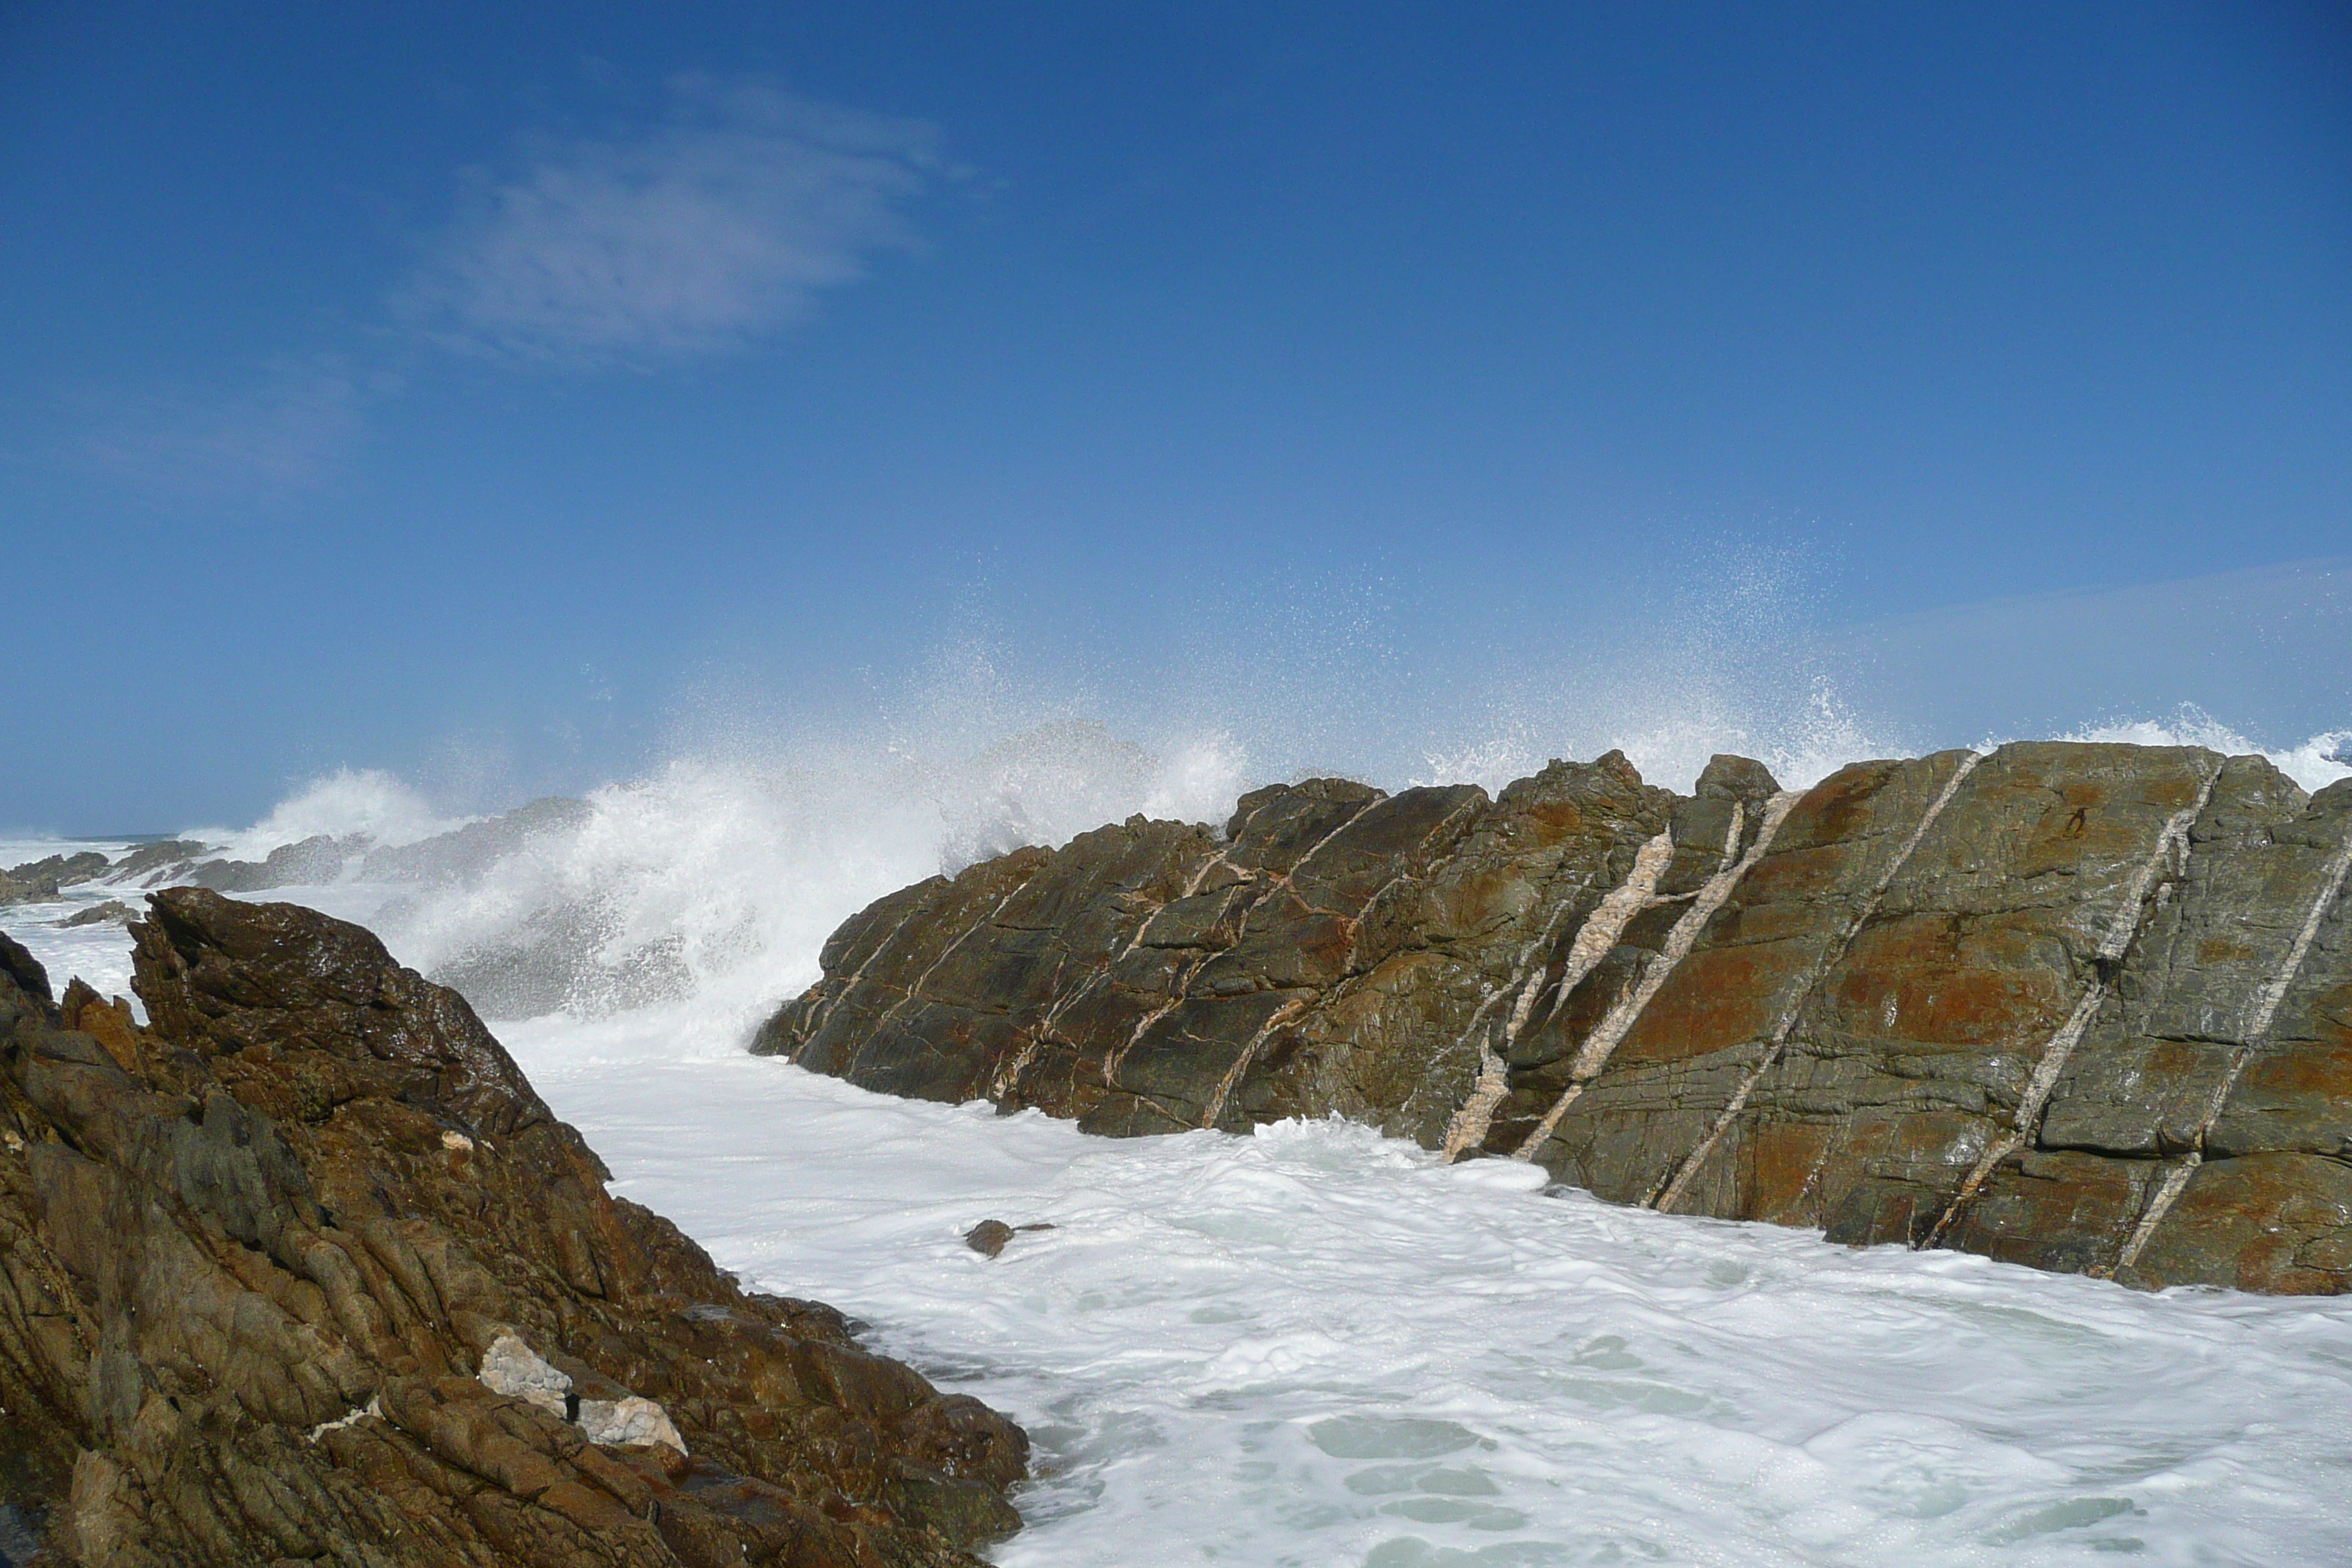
column 313, row 861
column 38, row 881
column 459, row 856
column 113, row 912
column 465, row 853
column 307, row 1272
column 151, row 865
column 2086, row 1007
column 64, row 871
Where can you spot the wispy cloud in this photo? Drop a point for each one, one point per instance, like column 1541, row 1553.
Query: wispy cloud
column 701, row 230
column 712, row 229
column 284, row 430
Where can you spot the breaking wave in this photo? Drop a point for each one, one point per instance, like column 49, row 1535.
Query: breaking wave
column 2315, row 763
column 719, row 874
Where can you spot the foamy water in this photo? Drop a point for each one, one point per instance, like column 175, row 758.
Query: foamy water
column 1316, row 1345
column 1313, row 1345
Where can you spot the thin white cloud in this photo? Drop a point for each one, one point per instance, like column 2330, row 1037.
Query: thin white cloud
column 285, row 430
column 711, row 230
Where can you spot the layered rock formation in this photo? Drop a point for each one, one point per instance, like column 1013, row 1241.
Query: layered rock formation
column 459, row 855
column 307, row 1272
column 37, row 881
column 2087, row 1007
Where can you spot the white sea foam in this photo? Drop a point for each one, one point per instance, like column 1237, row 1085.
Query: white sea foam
column 363, row 802
column 721, row 875
column 2314, row 764
column 1313, row 1345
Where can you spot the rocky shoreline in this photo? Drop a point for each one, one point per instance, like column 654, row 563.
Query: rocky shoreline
column 2084, row 1008
column 306, row 1271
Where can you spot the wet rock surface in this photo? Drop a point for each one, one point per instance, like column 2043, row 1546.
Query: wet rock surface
column 306, row 1271
column 38, row 881
column 2085, row 1007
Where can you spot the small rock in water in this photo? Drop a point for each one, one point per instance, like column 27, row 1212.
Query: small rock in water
column 114, row 911
column 989, row 1236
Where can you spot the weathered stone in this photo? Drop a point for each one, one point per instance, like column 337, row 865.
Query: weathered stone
column 988, row 1237
column 318, row 858
column 306, row 1270
column 151, row 865
column 22, row 969
column 2030, row 1003
column 113, row 912
column 37, row 881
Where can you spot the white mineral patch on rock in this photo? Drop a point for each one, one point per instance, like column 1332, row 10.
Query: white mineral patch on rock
column 357, row 1413
column 631, row 1420
column 511, row 1367
column 457, row 1142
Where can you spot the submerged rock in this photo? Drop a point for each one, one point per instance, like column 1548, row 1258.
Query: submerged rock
column 2086, row 1007
column 307, row 1270
column 989, row 1236
column 113, row 912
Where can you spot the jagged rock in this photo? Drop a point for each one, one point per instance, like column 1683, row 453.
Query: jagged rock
column 264, row 1266
column 36, row 882
column 113, row 912
column 464, row 852
column 22, row 970
column 151, row 865
column 316, row 859
column 33, row 883
column 2087, row 1007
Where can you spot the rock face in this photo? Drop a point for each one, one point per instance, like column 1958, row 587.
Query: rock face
column 464, row 852
column 37, row 881
column 151, row 865
column 307, row 1271
column 2086, row 1007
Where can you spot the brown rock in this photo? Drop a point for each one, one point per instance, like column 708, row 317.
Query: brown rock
column 2061, row 1005
column 251, row 1259
column 989, row 1236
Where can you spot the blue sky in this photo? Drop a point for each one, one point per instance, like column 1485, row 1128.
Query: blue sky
column 496, row 394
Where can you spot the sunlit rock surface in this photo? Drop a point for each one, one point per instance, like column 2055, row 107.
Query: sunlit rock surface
column 2086, row 1007
column 308, row 1271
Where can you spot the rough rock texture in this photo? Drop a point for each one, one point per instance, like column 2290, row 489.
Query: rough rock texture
column 37, row 881
column 113, row 912
column 2087, row 1007
column 151, row 865
column 253, row 1260
column 315, row 860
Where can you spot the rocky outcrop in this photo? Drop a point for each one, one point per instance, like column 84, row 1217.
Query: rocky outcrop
column 307, row 1271
column 152, row 865
column 309, row 863
column 38, row 881
column 464, row 853
column 2086, row 1007
column 113, row 912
